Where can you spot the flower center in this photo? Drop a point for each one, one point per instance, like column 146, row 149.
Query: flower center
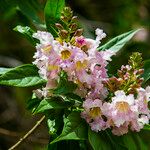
column 95, row 112
column 81, row 65
column 65, row 54
column 47, row 48
column 122, row 107
column 52, row 67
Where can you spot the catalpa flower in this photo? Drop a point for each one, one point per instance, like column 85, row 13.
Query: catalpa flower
column 119, row 103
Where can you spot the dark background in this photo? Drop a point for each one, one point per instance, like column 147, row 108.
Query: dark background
column 114, row 17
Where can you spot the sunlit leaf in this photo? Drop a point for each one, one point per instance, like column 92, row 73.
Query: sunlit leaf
column 4, row 70
column 26, row 32
column 22, row 76
column 118, row 42
column 52, row 12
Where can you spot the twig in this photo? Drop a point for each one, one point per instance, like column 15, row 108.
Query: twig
column 27, row 134
column 7, row 132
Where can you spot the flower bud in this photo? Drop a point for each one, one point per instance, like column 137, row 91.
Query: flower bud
column 74, row 19
column 140, row 71
column 63, row 18
column 59, row 26
column 78, row 32
column 73, row 27
column 63, row 34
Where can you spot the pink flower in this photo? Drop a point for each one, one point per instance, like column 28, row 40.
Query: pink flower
column 120, row 108
column 142, row 100
column 44, row 37
column 80, row 41
column 123, row 129
column 98, row 124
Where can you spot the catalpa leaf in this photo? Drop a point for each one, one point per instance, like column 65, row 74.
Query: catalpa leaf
column 4, row 70
column 22, row 76
column 51, row 103
column 28, row 10
column 118, row 42
column 52, row 12
column 146, row 74
column 33, row 103
column 26, row 32
column 146, row 127
column 98, row 141
column 64, row 86
column 74, row 128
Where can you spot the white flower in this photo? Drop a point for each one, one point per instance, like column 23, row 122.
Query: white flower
column 44, row 37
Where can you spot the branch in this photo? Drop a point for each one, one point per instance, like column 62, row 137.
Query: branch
column 27, row 134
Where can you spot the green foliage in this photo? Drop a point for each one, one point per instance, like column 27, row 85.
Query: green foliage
column 28, row 10
column 64, row 86
column 26, row 32
column 129, row 142
column 74, row 128
column 4, row 70
column 73, row 97
column 52, row 12
column 55, row 122
column 97, row 141
column 118, row 42
column 146, row 74
column 51, row 103
column 22, row 76
column 146, row 127
column 33, row 103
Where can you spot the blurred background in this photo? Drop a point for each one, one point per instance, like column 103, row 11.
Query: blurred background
column 114, row 17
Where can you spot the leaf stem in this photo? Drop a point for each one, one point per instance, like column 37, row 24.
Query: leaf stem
column 27, row 134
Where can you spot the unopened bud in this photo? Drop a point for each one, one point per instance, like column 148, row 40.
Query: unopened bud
column 63, row 18
column 59, row 26
column 67, row 10
column 63, row 34
column 140, row 81
column 78, row 32
column 73, row 26
column 74, row 19
column 141, row 71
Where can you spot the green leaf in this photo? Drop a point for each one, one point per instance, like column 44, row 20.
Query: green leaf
column 53, row 103
column 129, row 142
column 22, row 76
column 64, row 86
column 146, row 127
column 33, row 103
column 4, row 70
column 52, row 12
column 28, row 10
column 146, row 74
column 118, row 42
column 55, row 122
column 140, row 144
column 98, row 141
column 26, row 32
column 73, row 97
column 74, row 128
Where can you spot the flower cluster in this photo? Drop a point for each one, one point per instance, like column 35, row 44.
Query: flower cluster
column 126, row 105
column 119, row 102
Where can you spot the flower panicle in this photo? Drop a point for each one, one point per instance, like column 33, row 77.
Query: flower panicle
column 119, row 103
column 129, row 76
column 68, row 28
